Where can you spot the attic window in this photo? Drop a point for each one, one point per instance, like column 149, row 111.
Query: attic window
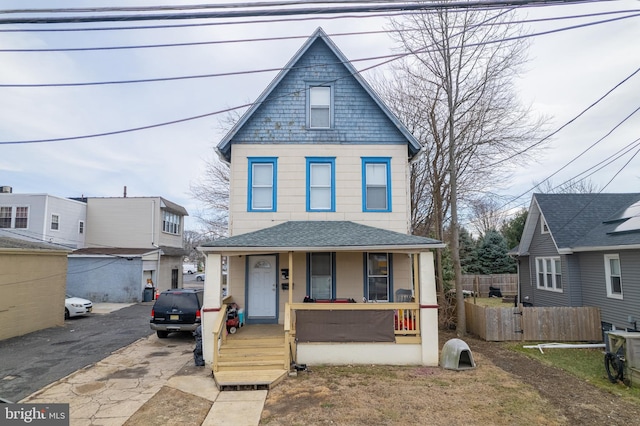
column 544, row 229
column 319, row 107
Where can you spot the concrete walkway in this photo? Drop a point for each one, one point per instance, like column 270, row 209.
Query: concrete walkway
column 114, row 389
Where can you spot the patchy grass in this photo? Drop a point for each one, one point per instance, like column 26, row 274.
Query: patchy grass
column 490, row 301
column 586, row 364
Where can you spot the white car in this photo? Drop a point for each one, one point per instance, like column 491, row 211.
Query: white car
column 189, row 269
column 200, row 277
column 74, row 306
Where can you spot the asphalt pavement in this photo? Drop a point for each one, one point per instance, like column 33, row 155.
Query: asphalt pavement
column 30, row 362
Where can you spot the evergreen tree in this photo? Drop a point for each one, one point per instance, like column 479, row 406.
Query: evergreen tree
column 512, row 230
column 492, row 255
column 468, row 253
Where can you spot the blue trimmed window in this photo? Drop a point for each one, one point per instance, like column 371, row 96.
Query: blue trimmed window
column 321, row 184
column 376, row 184
column 320, row 106
column 262, row 190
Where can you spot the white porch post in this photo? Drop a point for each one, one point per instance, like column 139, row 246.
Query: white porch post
column 428, row 310
column 212, row 303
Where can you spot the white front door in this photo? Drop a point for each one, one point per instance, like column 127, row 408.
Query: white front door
column 263, row 289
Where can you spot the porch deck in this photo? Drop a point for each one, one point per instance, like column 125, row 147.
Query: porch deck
column 252, row 358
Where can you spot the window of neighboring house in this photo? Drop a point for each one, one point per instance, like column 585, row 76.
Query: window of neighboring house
column 544, row 229
column 5, row 217
column 81, row 227
column 378, row 272
column 549, row 273
column 262, row 184
column 321, row 184
column 320, row 107
column 613, row 276
column 22, row 217
column 376, row 184
column 320, row 273
column 55, row 222
column 170, row 222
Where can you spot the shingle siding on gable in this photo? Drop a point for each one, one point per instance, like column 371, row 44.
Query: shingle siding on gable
column 282, row 118
column 614, row 311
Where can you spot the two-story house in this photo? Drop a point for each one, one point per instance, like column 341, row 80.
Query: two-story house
column 42, row 217
column 583, row 250
column 319, row 212
column 132, row 243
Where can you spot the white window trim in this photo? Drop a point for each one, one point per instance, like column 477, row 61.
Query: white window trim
column 607, row 272
column 544, row 228
column 543, row 285
column 310, row 87
column 81, row 227
column 57, row 216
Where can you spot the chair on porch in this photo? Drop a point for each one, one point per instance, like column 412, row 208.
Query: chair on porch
column 404, row 295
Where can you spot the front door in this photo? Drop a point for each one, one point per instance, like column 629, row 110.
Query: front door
column 262, row 292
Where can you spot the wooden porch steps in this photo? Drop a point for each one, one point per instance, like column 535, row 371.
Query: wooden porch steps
column 253, row 358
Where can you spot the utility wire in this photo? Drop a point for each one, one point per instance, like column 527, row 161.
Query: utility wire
column 397, row 7
column 268, row 39
column 580, row 114
column 392, row 57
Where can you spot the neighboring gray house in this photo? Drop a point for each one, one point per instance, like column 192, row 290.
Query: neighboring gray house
column 583, row 250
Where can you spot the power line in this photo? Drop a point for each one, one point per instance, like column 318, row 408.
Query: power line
column 294, row 37
column 580, row 114
column 397, row 7
column 259, row 71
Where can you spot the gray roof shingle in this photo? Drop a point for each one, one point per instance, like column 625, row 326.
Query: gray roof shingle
column 334, row 235
column 578, row 220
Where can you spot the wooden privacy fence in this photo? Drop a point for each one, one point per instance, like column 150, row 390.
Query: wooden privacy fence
column 507, row 283
column 534, row 324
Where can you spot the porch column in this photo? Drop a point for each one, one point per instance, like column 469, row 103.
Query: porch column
column 212, row 303
column 428, row 310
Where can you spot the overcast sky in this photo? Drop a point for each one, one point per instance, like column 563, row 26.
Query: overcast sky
column 567, row 72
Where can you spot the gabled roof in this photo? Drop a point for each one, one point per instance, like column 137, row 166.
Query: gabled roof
column 321, row 236
column 584, row 222
column 224, row 147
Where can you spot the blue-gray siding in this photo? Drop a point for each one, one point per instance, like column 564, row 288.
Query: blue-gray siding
column 282, row 118
column 111, row 279
column 594, row 290
column 542, row 246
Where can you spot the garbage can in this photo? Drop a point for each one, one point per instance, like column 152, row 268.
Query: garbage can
column 148, row 294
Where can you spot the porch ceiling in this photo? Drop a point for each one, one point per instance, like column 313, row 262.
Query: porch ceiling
column 309, row 236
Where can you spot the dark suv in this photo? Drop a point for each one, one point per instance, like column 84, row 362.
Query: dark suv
column 176, row 310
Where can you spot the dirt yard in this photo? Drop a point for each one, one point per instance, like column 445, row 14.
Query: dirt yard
column 506, row 388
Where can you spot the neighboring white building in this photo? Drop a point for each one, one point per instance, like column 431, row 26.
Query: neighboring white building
column 122, row 243
column 43, row 217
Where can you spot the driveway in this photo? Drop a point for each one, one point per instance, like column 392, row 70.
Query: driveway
column 32, row 361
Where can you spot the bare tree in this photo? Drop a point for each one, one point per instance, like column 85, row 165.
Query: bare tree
column 213, row 187
column 487, row 214
column 571, row 186
column 455, row 93
column 213, row 191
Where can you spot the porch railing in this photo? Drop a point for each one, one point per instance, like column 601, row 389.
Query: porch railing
column 406, row 315
column 219, row 333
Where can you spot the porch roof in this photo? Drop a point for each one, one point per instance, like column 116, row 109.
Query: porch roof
column 321, row 236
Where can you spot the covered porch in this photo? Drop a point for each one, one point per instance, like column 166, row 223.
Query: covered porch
column 355, row 295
